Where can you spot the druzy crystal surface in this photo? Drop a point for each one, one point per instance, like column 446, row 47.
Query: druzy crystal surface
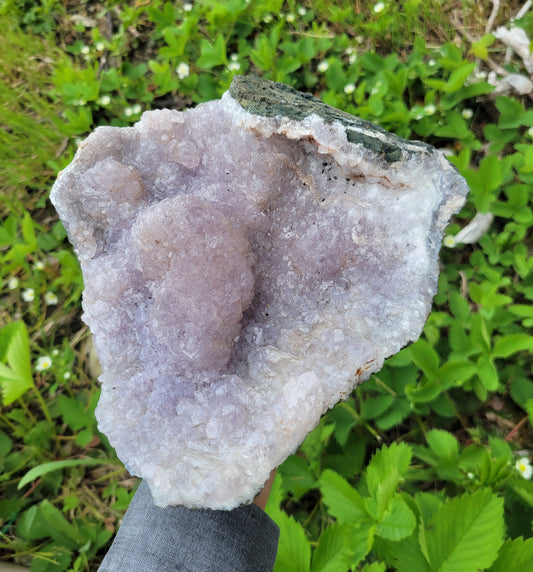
column 246, row 264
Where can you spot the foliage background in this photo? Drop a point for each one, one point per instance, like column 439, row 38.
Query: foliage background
column 426, row 466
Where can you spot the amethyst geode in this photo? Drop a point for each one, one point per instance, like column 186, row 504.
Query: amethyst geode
column 246, row 264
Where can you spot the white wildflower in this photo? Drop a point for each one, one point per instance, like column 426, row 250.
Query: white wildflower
column 28, row 295
column 55, row 352
column 38, row 265
column 291, row 17
column 432, row 62
column 492, row 78
column 323, row 67
column 379, row 7
column 467, row 113
column 449, row 241
column 99, row 46
column 352, row 58
column 267, row 19
column 187, row 7
column 44, row 362
column 234, row 66
column 50, row 299
column 430, row 109
column 182, row 70
column 137, row 108
column 523, row 466
column 128, row 111
column 530, row 132
column 234, row 57
column 480, row 75
column 13, row 283
column 104, row 100
column 85, row 50
column 349, row 88
column 302, row 11
column 67, row 375
column 359, row 39
column 470, row 476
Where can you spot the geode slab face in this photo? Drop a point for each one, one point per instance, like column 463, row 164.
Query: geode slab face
column 247, row 263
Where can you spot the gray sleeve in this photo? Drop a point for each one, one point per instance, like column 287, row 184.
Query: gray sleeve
column 150, row 538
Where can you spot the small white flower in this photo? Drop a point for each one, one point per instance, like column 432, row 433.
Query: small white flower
column 352, row 58
column 44, row 362
column 267, row 19
column 523, row 466
column 432, row 62
column 291, row 17
column 104, row 100
column 50, row 299
column 480, row 75
column 137, row 108
column 234, row 66
column 530, row 132
column 359, row 39
column 492, row 78
column 350, row 50
column 182, row 70
column 128, row 111
column 28, row 295
column 349, row 88
column 187, row 7
column 302, row 11
column 55, row 352
column 38, row 265
column 13, row 283
column 79, row 102
column 99, row 46
column 85, row 50
column 323, row 67
column 430, row 109
column 449, row 241
column 470, row 476
column 379, row 7
column 234, row 57
column 467, row 113
column 67, row 375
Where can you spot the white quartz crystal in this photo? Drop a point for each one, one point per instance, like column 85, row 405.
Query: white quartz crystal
column 242, row 274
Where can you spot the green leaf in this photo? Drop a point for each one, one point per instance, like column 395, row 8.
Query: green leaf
column 516, row 555
column 16, row 379
column 397, row 522
column 425, row 358
column 297, row 477
column 212, row 54
column 294, row 550
column 374, row 567
column 467, row 533
column 58, row 522
column 45, row 468
column 73, row 413
column 332, row 553
column 343, row 501
column 443, row 444
column 509, row 345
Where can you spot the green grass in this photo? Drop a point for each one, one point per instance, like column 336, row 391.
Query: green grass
column 452, row 413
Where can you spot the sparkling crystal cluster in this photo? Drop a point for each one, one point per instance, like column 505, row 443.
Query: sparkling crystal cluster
column 246, row 264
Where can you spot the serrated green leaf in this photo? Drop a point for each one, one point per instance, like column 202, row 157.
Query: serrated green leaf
column 425, row 358
column 297, row 477
column 73, row 413
column 397, row 522
column 509, row 345
column 397, row 456
column 294, row 550
column 332, row 553
column 516, row 555
column 374, row 567
column 16, row 379
column 443, row 444
column 343, row 501
column 372, row 407
column 467, row 533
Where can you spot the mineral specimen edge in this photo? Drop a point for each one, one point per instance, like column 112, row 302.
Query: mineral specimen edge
column 246, row 264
